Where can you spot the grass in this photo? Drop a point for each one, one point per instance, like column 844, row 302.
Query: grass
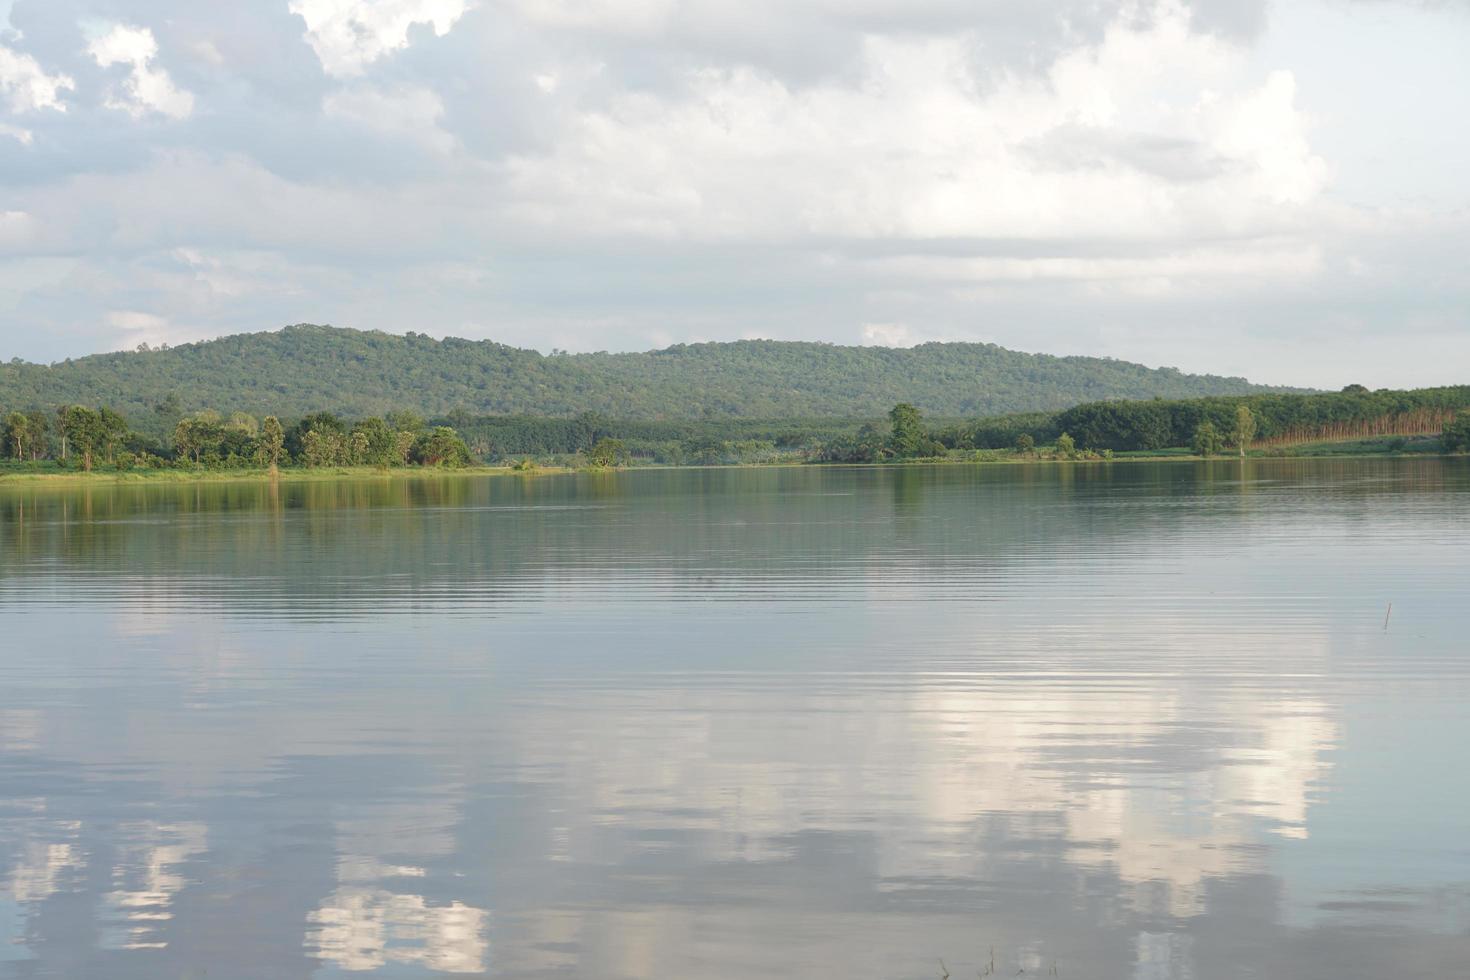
column 54, row 475
column 51, row 473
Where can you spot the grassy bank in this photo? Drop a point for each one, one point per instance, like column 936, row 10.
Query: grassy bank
column 56, row 476
column 52, row 474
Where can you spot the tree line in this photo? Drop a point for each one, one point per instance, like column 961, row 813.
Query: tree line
column 1207, row 423
column 101, row 437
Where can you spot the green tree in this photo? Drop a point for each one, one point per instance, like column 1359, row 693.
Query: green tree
column 442, row 446
column 1206, row 439
column 1244, row 429
column 374, row 443
column 199, row 437
column 272, row 441
column 1025, row 443
column 405, row 421
column 1066, row 446
column 323, row 447
column 18, row 433
column 403, row 443
column 184, row 445
column 358, row 449
column 36, row 433
column 907, row 438
column 1456, row 435
column 113, row 431
column 608, row 452
column 84, row 430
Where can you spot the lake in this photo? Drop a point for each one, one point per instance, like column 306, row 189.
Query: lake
column 1129, row 720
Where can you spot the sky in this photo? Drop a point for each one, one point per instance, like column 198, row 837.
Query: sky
column 1269, row 189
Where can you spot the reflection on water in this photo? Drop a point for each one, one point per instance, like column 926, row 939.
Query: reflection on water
column 1121, row 721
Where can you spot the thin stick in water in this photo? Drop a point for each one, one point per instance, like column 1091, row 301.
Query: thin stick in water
column 1385, row 617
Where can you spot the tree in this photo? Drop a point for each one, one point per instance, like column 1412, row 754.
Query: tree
column 442, row 447
column 1025, row 443
column 199, row 436
column 323, row 447
column 184, row 444
column 374, row 443
column 1206, row 439
column 322, row 422
column 908, row 438
column 405, row 420
column 1456, row 435
column 18, row 433
column 608, row 452
column 1244, row 429
column 272, row 441
column 403, row 446
column 113, row 430
column 358, row 452
column 84, row 429
column 36, row 433
column 1066, row 446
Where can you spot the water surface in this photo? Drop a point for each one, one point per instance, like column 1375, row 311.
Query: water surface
column 1120, row 721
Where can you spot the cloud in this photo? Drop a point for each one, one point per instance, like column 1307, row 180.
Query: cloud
column 404, row 113
column 17, row 230
column 139, row 327
column 1160, row 180
column 349, row 35
column 888, row 335
column 26, row 87
column 147, row 87
column 1154, row 132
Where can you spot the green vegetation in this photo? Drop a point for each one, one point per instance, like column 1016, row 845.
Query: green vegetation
column 1274, row 421
column 608, row 452
column 83, row 439
column 352, row 373
column 90, row 439
column 1455, row 437
column 1243, row 432
column 1207, row 441
column 905, row 438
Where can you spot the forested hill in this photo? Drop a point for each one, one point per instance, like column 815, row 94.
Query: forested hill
column 307, row 368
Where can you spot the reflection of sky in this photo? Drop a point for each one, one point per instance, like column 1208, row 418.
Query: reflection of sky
column 1183, row 750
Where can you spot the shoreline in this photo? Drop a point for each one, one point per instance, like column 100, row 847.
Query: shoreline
column 140, row 478
column 336, row 473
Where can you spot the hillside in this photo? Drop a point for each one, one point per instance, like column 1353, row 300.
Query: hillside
column 305, row 368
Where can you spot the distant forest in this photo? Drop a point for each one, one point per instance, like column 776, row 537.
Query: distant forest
column 305, row 368
column 101, row 437
column 1281, row 420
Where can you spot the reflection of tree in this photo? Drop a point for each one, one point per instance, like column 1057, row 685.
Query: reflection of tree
column 908, row 484
column 470, row 536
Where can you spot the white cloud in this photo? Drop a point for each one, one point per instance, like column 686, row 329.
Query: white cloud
column 407, row 113
column 598, row 174
column 136, row 327
column 26, row 87
column 1249, row 260
column 134, row 320
column 147, row 88
column 919, row 148
column 17, row 229
column 889, row 335
column 348, row 35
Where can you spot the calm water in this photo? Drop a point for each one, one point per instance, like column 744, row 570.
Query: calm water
column 1127, row 721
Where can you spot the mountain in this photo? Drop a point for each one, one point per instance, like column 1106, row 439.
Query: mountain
column 306, row 368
